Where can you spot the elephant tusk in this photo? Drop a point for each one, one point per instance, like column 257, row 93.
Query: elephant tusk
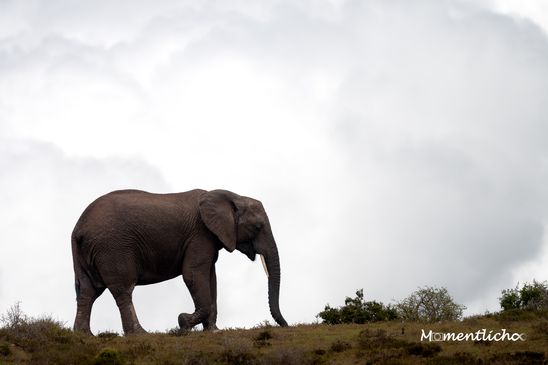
column 264, row 265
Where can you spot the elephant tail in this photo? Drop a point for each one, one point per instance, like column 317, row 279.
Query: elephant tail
column 83, row 272
column 78, row 270
column 77, row 287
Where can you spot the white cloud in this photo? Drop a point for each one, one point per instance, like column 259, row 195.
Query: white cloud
column 446, row 146
column 394, row 144
column 531, row 10
column 43, row 192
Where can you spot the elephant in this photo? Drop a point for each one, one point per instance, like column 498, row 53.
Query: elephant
column 132, row 237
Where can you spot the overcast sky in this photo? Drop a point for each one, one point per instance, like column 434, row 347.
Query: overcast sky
column 394, row 144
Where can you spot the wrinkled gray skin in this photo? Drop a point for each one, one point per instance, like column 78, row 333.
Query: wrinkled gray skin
column 130, row 237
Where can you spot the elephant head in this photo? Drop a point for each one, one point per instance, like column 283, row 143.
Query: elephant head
column 241, row 223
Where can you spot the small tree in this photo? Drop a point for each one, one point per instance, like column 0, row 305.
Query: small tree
column 430, row 304
column 14, row 316
column 357, row 310
column 531, row 296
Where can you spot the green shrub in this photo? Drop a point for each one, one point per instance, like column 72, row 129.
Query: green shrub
column 33, row 333
column 531, row 296
column 330, row 315
column 357, row 310
column 534, row 296
column 45, row 340
column 262, row 339
column 237, row 357
column 109, row 357
column 340, row 346
column 510, row 299
column 5, row 349
column 430, row 304
column 264, row 335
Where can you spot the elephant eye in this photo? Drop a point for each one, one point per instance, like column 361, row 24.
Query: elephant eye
column 258, row 226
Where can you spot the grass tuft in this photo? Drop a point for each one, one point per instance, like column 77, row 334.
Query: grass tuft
column 178, row 332
column 423, row 349
column 519, row 357
column 107, row 335
column 459, row 358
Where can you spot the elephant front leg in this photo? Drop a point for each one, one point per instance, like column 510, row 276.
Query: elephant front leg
column 210, row 323
column 197, row 280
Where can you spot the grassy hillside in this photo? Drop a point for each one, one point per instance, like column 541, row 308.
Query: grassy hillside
column 44, row 341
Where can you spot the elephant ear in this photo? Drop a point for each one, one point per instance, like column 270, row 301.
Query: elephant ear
column 218, row 210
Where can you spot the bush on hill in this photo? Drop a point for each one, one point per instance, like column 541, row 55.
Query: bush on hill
column 430, row 304
column 530, row 297
column 357, row 310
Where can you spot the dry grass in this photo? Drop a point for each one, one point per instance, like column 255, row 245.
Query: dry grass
column 46, row 341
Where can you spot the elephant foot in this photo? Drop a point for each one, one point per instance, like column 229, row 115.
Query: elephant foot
column 137, row 330
column 83, row 331
column 212, row 328
column 185, row 321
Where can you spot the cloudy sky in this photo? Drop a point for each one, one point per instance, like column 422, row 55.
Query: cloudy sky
column 394, row 144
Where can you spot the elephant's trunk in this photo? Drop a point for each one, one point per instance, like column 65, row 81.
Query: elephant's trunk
column 273, row 265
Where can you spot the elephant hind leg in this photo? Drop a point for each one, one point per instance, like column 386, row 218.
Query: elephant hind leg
column 86, row 294
column 123, row 298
